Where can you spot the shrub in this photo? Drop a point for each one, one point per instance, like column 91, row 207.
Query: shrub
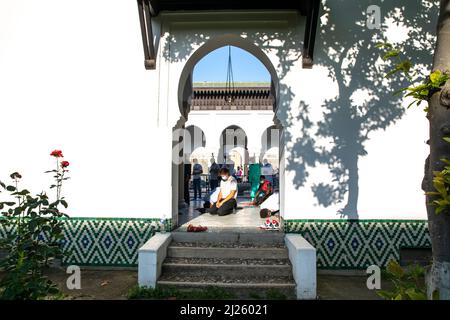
column 34, row 232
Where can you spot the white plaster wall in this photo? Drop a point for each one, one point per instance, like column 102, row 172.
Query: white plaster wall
column 72, row 78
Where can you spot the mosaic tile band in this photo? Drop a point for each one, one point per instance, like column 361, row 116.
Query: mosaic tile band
column 105, row 241
column 357, row 244
column 340, row 244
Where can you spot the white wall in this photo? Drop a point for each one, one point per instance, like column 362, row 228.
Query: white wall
column 72, row 77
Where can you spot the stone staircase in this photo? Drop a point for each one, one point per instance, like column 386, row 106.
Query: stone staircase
column 247, row 265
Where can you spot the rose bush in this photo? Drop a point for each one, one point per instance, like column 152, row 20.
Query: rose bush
column 34, row 232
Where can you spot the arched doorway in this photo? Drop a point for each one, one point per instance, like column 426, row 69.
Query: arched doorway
column 233, row 141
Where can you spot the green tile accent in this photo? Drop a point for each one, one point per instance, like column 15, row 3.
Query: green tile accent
column 104, row 241
column 357, row 244
column 340, row 244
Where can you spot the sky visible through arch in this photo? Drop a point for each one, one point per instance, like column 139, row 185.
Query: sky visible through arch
column 246, row 67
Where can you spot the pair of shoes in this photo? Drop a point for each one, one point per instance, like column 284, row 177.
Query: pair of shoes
column 270, row 225
column 192, row 228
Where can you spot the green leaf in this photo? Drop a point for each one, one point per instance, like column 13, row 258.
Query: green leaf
column 395, row 269
column 385, row 294
column 383, row 45
column 8, row 203
column 23, row 192
column 413, row 294
column 64, row 203
column 391, row 54
column 11, row 188
column 436, row 76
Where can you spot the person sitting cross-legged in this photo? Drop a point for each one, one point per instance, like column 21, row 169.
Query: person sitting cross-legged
column 226, row 200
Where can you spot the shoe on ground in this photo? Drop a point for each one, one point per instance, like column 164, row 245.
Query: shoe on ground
column 192, row 228
column 275, row 225
column 266, row 225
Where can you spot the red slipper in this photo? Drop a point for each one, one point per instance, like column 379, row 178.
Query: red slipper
column 192, row 228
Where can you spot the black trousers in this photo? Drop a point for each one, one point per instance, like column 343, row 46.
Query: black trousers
column 225, row 208
column 197, row 188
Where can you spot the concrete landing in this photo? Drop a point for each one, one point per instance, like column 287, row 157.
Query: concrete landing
column 244, row 220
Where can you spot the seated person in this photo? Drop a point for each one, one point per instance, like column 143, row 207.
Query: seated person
column 263, row 192
column 226, row 200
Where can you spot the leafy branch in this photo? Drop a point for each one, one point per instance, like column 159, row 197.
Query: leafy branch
column 408, row 283
column 419, row 91
column 441, row 183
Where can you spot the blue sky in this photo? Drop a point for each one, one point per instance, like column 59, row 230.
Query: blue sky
column 246, row 68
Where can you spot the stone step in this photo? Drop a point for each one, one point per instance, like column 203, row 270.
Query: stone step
column 226, row 245
column 263, row 290
column 229, row 271
column 227, row 253
column 255, row 238
column 244, row 261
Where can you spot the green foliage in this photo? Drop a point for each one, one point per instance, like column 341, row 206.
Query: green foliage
column 441, row 183
column 158, row 293
column 432, row 84
column 420, row 91
column 274, row 294
column 34, row 232
column 408, row 282
column 401, row 66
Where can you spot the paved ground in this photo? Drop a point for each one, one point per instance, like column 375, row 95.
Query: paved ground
column 114, row 284
column 97, row 284
column 246, row 218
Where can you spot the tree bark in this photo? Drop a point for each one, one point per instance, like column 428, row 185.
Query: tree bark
column 438, row 277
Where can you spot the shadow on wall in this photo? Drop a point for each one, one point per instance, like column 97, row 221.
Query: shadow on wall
column 346, row 48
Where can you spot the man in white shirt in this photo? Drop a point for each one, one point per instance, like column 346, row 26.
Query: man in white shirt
column 226, row 200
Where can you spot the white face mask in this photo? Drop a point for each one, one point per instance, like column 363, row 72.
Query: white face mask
column 224, row 178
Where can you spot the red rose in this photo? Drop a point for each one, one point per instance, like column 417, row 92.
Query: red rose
column 64, row 164
column 57, row 154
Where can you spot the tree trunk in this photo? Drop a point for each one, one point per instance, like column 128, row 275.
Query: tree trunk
column 350, row 211
column 439, row 118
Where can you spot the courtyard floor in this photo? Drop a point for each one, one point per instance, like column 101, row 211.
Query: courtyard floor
column 114, row 284
column 246, row 218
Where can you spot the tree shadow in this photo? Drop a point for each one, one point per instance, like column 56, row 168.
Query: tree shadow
column 364, row 102
column 347, row 49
